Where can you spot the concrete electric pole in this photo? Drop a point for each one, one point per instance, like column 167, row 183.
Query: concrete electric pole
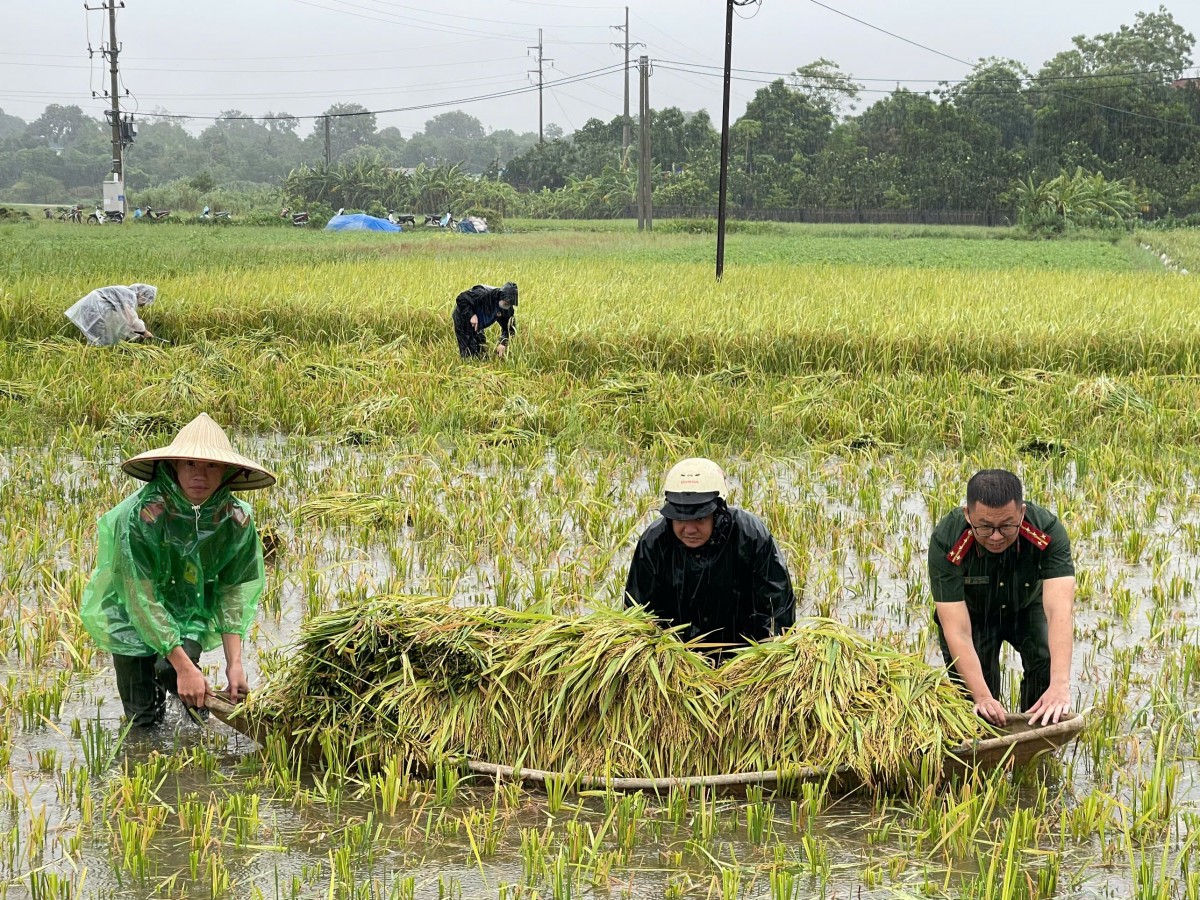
column 626, row 45
column 645, row 174
column 540, row 59
column 113, row 188
column 113, row 50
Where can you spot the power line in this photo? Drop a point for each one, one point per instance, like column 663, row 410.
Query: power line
column 573, row 79
column 479, row 18
column 225, row 71
column 1033, row 87
column 893, row 79
column 890, row 33
column 401, row 20
column 1126, row 112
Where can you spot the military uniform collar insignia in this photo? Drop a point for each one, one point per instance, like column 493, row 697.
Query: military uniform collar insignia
column 959, row 551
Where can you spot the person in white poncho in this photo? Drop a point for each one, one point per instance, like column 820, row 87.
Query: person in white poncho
column 110, row 314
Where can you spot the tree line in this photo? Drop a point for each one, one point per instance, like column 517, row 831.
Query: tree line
column 1120, row 106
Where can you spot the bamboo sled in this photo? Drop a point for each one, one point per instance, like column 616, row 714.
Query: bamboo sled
column 1017, row 744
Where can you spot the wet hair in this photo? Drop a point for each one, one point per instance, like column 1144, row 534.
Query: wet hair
column 994, row 488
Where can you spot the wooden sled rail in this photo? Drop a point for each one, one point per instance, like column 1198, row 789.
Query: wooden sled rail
column 1018, row 743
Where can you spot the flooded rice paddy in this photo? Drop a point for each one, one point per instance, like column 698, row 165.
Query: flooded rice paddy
column 856, row 397
column 196, row 810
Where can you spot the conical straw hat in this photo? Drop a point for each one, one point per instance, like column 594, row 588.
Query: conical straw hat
column 202, row 439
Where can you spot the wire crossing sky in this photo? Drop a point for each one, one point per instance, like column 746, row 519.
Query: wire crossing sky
column 419, row 59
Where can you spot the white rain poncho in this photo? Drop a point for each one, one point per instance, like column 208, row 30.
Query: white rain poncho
column 110, row 314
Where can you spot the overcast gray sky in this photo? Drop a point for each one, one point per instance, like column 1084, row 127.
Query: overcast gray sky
column 301, row 56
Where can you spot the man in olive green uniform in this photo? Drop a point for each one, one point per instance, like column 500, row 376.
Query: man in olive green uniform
column 1001, row 570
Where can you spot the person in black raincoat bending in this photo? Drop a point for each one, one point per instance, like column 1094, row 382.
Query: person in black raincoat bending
column 476, row 309
column 709, row 566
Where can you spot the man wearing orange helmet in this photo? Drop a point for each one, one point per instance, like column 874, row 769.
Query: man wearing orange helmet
column 710, row 566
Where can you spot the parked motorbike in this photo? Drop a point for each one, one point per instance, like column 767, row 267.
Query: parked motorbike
column 157, row 213
column 99, row 217
column 401, row 220
column 446, row 221
column 208, row 215
column 299, row 219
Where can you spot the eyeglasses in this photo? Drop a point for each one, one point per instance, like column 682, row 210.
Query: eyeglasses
column 988, row 530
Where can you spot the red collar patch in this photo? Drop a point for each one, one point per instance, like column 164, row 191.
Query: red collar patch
column 965, row 542
column 1035, row 536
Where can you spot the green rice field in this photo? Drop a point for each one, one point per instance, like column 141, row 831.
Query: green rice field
column 848, row 379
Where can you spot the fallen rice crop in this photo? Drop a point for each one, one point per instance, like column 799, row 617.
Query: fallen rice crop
column 607, row 693
column 848, row 399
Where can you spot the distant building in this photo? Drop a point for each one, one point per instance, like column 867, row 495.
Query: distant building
column 1186, row 83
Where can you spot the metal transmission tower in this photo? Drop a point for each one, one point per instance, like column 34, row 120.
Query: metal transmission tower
column 123, row 129
column 626, row 45
column 540, row 59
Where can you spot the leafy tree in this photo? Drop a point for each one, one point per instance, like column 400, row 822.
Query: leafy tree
column 203, row 182
column 790, row 124
column 542, row 166
column 597, row 145
column 281, row 141
column 391, row 142
column 60, row 126
column 1108, row 104
column 826, row 87
column 34, row 187
column 455, row 124
column 350, row 125
column 700, row 138
column 995, row 94
column 10, row 125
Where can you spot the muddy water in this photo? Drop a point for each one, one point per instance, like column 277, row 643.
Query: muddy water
column 854, row 532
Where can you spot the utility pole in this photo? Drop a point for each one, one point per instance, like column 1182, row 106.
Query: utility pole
column 328, row 155
column 722, row 190
column 626, row 125
column 113, row 50
column 645, row 175
column 540, row 60
column 113, row 188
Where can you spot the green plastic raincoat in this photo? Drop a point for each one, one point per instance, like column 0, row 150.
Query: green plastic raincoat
column 167, row 570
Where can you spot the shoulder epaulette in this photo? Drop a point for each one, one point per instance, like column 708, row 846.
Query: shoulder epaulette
column 1034, row 535
column 965, row 542
column 151, row 511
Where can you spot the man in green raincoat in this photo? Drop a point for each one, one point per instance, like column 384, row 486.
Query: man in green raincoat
column 179, row 570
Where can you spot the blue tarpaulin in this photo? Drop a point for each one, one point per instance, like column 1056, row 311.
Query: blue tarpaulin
column 360, row 222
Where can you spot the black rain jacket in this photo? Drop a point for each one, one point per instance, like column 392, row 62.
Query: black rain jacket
column 483, row 301
column 736, row 587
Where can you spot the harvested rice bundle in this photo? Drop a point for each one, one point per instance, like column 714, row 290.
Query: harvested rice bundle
column 822, row 695
column 606, row 693
column 390, row 676
column 348, row 507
